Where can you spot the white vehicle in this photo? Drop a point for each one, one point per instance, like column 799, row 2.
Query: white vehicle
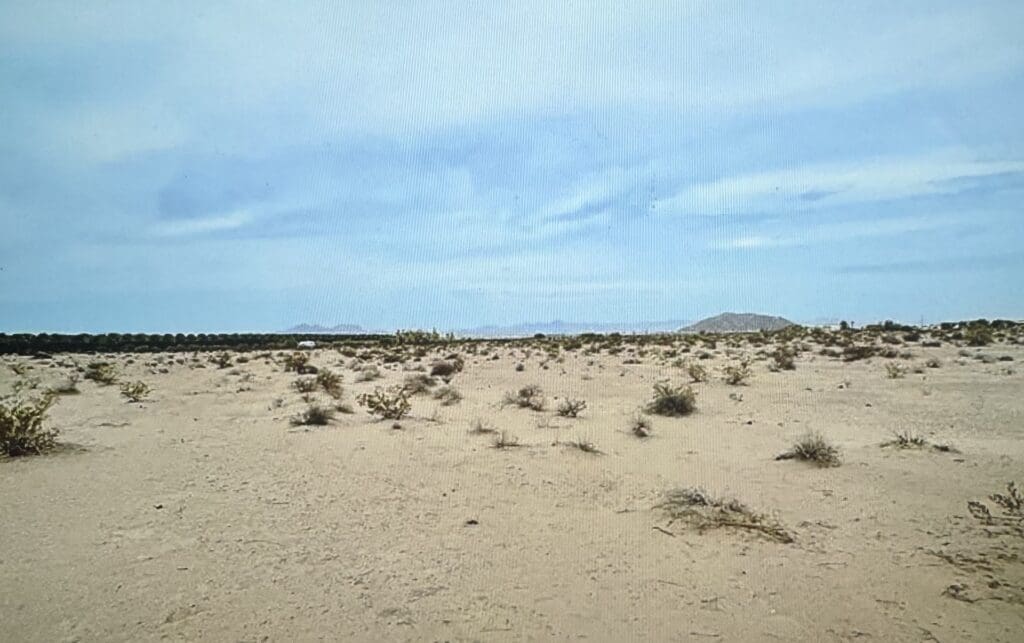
column 307, row 344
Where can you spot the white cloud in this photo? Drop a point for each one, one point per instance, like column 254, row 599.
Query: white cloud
column 838, row 231
column 809, row 187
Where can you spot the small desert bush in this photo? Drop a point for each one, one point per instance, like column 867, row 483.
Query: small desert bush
column 368, row 374
column 640, row 426
column 222, row 360
column 1010, row 507
column 21, row 426
column 448, row 395
column 906, row 439
column 672, row 401
column 505, row 440
column 782, row 360
column 933, row 362
column 479, row 426
column 66, row 386
column 297, row 362
column 101, row 372
column 527, row 397
column 135, row 391
column 330, row 382
column 814, row 448
column 697, row 372
column 736, row 374
column 701, row 511
column 895, row 370
column 447, row 368
column 305, row 384
column 389, row 405
column 418, row 383
column 313, row 415
column 571, row 408
column 978, row 336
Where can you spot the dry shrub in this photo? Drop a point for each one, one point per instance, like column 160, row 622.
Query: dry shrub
column 527, row 397
column 368, row 373
column 641, row 426
column 101, row 372
column 418, row 383
column 305, row 384
column 906, row 439
column 895, row 370
column 479, row 426
column 737, row 374
column 505, row 440
column 814, row 448
column 699, row 510
column 448, row 395
column 697, row 372
column 135, row 391
column 313, row 415
column 389, row 405
column 571, row 408
column 672, row 401
column 330, row 382
column 21, row 426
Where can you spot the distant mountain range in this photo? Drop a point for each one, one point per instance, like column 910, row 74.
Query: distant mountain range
column 317, row 329
column 737, row 323
column 724, row 323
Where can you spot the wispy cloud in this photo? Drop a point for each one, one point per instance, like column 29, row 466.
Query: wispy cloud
column 810, row 234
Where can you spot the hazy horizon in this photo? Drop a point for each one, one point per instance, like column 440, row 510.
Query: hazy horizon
column 231, row 167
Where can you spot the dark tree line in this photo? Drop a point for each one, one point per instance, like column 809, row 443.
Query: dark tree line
column 28, row 343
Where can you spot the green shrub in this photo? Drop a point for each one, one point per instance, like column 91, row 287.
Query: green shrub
column 21, row 426
column 672, row 401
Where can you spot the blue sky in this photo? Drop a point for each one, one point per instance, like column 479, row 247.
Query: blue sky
column 234, row 167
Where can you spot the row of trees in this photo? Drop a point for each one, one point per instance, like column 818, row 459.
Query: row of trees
column 27, row 344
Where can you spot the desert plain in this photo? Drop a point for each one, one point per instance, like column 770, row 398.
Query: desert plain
column 205, row 509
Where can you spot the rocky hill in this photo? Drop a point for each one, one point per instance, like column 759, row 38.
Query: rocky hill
column 737, row 323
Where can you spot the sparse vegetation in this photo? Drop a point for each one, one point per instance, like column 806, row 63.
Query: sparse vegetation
column 479, row 426
column 697, row 372
column 135, row 391
column 783, row 359
column 389, row 405
column 419, row 383
column 305, row 384
column 584, row 445
column 22, row 430
column 102, row 373
column 298, row 363
column 66, row 386
column 906, row 439
column 313, row 415
column 737, row 374
column 814, row 448
column 571, row 408
column 222, row 360
column 368, row 373
column 527, row 397
column 673, row 401
column 448, row 395
column 330, row 382
column 699, row 510
column 895, row 370
column 641, row 426
column 505, row 440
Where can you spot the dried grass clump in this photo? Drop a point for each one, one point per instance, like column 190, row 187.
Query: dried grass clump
column 330, row 382
column 583, row 445
column 368, row 373
column 448, row 395
column 102, row 373
column 21, row 426
column 571, row 408
column 305, row 384
column 392, row 404
column 895, row 370
column 478, row 426
column 783, row 359
column 737, row 374
column 135, row 391
column 697, row 372
column 672, row 401
column 1011, row 510
column 527, row 397
column 906, row 439
column 66, row 386
column 641, row 426
column 222, row 360
column 418, row 383
column 313, row 415
column 447, row 368
column 814, row 448
column 505, row 440
column 700, row 511
column 298, row 363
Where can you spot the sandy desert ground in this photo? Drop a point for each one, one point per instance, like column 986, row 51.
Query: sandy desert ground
column 202, row 513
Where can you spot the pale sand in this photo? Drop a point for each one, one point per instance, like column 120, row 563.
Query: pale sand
column 201, row 514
